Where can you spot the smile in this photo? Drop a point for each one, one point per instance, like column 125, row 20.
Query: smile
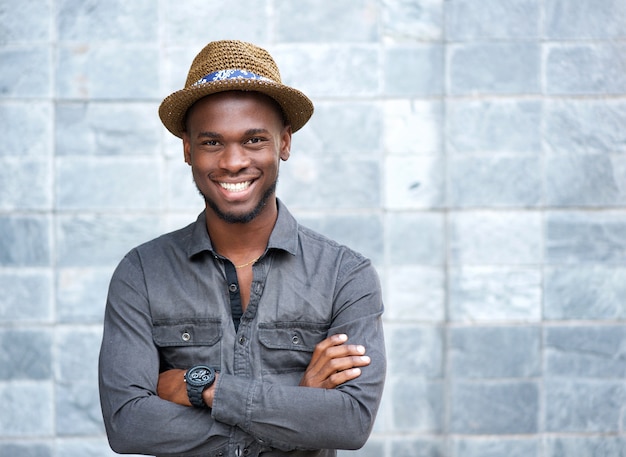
column 235, row 186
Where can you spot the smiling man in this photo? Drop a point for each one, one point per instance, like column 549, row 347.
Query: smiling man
column 244, row 333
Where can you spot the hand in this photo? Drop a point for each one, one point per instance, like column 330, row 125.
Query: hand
column 334, row 363
column 172, row 387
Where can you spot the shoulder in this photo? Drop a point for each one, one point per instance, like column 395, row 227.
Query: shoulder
column 329, row 252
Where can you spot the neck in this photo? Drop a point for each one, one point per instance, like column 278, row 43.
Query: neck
column 241, row 243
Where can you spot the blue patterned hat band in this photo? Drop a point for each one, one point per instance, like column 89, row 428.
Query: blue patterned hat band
column 223, row 75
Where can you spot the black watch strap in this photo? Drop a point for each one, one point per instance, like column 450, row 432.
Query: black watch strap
column 195, row 396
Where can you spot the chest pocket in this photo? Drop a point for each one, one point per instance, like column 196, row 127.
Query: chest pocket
column 184, row 343
column 287, row 347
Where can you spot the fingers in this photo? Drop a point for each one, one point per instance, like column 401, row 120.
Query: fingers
column 334, row 363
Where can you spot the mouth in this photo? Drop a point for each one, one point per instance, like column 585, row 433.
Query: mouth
column 235, row 186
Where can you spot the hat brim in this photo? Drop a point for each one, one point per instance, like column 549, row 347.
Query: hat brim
column 296, row 106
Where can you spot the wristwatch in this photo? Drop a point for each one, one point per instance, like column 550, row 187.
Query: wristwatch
column 198, row 378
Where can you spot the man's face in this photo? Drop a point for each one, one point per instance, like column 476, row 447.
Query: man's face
column 234, row 143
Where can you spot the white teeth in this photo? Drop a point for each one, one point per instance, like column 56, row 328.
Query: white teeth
column 235, row 187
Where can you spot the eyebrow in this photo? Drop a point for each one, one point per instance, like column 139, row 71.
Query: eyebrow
column 216, row 135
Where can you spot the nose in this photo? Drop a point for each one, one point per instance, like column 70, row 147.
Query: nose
column 234, row 158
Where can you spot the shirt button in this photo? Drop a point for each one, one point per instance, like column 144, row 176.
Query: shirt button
column 232, row 287
column 186, row 336
column 295, row 339
column 242, row 340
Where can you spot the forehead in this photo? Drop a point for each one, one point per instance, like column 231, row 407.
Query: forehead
column 262, row 102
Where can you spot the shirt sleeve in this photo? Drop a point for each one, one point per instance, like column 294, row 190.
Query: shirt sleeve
column 136, row 419
column 293, row 417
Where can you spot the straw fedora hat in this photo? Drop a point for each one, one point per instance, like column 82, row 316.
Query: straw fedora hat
column 233, row 65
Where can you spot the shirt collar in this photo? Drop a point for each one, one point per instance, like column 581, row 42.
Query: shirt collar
column 284, row 236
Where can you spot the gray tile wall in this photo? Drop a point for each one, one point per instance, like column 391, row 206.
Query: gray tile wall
column 474, row 149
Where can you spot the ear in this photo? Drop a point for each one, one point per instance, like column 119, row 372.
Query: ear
column 187, row 148
column 285, row 143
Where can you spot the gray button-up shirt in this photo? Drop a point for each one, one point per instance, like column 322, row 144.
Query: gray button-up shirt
column 168, row 307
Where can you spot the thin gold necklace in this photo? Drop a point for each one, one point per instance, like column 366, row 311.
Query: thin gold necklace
column 247, row 263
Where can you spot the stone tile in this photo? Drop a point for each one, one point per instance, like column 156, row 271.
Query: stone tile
column 114, row 20
column 494, row 181
column 107, row 72
column 27, row 296
column 422, row 118
column 81, row 294
column 585, row 19
column 567, row 446
column 109, row 129
column 89, row 240
column 494, row 126
column 492, row 19
column 25, row 71
column 26, row 184
column 247, row 20
column 72, row 365
column 503, row 408
column 107, row 183
column 575, row 237
column 84, row 446
column 494, row 352
column 26, row 129
column 415, row 293
column 27, row 20
column 182, row 193
column 78, row 409
column 495, row 237
column 407, row 21
column 585, row 180
column 337, row 21
column 415, row 238
column 25, row 353
column 587, row 68
column 414, row 182
column 422, row 405
column 303, row 66
column 174, row 64
column 494, row 294
column 417, row 447
column 494, row 68
column 585, row 293
column 414, row 351
column 317, row 183
column 26, row 409
column 583, row 406
column 25, row 241
column 585, row 126
column 332, row 131
column 28, row 448
column 413, row 70
column 586, row 352
column 490, row 447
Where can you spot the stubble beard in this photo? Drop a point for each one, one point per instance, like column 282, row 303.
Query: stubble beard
column 232, row 218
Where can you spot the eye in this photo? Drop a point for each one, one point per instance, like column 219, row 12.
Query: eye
column 254, row 140
column 211, row 143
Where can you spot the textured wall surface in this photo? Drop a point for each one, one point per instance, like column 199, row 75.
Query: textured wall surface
column 474, row 149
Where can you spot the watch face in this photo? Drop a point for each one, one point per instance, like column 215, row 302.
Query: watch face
column 200, row 376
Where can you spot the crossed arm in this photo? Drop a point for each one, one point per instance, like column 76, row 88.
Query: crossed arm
column 332, row 364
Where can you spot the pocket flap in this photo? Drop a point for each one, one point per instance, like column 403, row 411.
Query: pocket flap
column 295, row 336
column 192, row 332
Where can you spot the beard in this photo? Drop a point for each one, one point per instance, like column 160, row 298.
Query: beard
column 233, row 218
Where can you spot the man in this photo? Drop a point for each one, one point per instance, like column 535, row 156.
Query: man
column 243, row 334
